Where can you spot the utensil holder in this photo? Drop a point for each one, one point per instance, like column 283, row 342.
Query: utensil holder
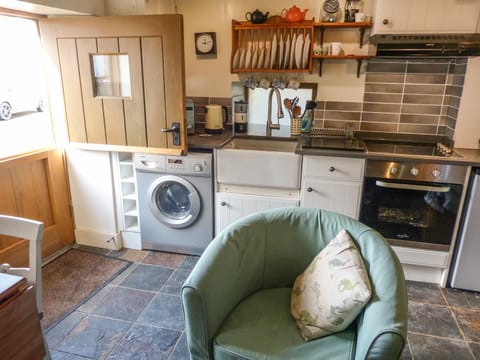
column 295, row 125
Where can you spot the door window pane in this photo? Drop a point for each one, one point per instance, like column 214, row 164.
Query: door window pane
column 25, row 123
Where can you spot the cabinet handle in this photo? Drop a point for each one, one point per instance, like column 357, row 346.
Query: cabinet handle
column 309, row 189
column 385, row 21
column 223, row 203
column 331, row 169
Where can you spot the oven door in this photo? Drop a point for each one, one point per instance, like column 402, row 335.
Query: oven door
column 413, row 214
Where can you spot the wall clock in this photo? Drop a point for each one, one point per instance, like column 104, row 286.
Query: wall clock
column 205, row 43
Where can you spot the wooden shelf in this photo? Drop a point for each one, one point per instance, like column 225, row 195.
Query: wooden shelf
column 359, row 59
column 361, row 26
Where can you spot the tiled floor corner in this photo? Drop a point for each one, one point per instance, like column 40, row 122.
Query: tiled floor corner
column 140, row 313
column 137, row 313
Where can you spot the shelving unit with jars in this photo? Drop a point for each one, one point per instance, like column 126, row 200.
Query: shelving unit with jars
column 324, row 26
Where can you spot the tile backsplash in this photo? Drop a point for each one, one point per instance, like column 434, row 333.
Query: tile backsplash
column 402, row 96
column 418, row 96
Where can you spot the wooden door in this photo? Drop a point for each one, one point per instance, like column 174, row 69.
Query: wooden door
column 35, row 186
column 154, row 47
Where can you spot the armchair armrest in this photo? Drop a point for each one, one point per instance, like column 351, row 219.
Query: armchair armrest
column 382, row 328
column 230, row 269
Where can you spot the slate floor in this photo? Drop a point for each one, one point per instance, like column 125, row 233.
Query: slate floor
column 138, row 315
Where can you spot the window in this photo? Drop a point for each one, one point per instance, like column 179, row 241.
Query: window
column 25, row 123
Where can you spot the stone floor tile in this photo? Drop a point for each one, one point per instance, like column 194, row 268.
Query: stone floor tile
column 432, row 320
column 189, row 262
column 118, row 303
column 430, row 348
column 460, row 298
column 129, row 254
column 181, row 350
column 120, row 277
column 147, row 277
column 55, row 333
column 94, row 337
column 475, row 348
column 146, row 343
column 469, row 322
column 425, row 293
column 406, row 355
column 174, row 284
column 58, row 355
column 164, row 311
column 164, row 259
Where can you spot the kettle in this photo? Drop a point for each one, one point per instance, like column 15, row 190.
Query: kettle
column 215, row 118
column 294, row 14
column 256, row 17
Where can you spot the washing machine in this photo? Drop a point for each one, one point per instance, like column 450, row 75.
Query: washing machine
column 175, row 201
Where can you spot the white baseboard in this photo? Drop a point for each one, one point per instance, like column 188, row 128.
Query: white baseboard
column 131, row 240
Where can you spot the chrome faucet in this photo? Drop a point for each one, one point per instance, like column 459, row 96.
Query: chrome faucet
column 270, row 124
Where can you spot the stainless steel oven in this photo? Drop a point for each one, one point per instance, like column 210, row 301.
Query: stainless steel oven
column 413, row 204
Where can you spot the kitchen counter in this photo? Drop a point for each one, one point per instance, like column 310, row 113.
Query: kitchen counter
column 469, row 157
column 203, row 141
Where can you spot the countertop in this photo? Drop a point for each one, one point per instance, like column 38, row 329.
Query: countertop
column 469, row 157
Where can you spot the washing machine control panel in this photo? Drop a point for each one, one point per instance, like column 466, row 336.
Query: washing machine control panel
column 197, row 164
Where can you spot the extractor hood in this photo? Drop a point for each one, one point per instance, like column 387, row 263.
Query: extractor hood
column 427, row 45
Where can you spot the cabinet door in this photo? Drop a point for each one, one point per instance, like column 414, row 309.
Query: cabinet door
column 391, row 15
column 118, row 80
column 231, row 207
column 426, row 16
column 341, row 197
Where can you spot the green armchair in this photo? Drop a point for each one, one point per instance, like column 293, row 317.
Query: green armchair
column 237, row 298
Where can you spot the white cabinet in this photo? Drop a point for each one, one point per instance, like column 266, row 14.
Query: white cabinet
column 233, row 206
column 332, row 183
column 93, row 198
column 426, row 16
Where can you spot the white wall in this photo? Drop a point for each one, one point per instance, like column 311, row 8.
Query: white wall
column 58, row 7
column 467, row 131
column 212, row 77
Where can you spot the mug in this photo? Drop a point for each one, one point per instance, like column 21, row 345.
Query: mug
column 359, row 17
column 336, row 48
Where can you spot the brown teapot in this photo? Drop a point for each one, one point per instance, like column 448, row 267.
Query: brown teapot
column 294, row 14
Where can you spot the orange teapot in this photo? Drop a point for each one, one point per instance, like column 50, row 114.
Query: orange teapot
column 294, row 14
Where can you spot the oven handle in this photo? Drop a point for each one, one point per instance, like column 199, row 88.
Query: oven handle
column 389, row 185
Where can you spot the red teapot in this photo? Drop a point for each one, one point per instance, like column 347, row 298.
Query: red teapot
column 294, row 14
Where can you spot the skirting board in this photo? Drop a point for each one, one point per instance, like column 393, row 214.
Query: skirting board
column 112, row 241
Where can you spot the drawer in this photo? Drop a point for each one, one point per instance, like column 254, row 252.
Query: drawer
column 332, row 167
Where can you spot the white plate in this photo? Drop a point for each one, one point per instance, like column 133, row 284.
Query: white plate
column 254, row 58
column 306, row 52
column 241, row 63
column 266, row 65
column 287, row 53
column 236, row 58
column 261, row 58
column 274, row 51
column 299, row 51
column 248, row 59
column 292, row 51
column 281, row 45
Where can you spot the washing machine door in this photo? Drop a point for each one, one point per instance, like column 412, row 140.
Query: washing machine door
column 174, row 201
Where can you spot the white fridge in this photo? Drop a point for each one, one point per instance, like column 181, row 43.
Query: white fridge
column 466, row 264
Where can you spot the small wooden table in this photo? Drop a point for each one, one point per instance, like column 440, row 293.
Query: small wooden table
column 20, row 330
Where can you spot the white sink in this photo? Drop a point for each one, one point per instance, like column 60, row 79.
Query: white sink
column 259, row 163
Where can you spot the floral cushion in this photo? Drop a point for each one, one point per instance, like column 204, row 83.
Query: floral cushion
column 332, row 291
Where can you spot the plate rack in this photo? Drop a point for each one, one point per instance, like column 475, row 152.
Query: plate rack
column 279, row 47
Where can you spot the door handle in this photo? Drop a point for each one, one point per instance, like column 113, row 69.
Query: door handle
column 175, row 130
